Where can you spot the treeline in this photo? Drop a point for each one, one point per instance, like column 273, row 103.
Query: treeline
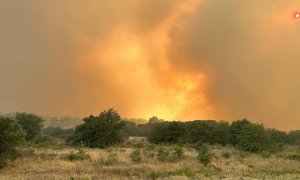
column 108, row 128
column 242, row 134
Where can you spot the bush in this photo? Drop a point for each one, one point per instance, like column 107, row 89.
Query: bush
column 204, row 156
column 295, row 156
column 136, row 156
column 250, row 137
column 78, row 156
column 177, row 154
column 226, row 155
column 169, row 133
column 100, row 131
column 31, row 124
column 11, row 136
column 265, row 154
column 163, row 155
column 138, row 145
column 110, row 160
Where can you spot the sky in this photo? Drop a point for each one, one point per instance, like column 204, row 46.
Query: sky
column 176, row 59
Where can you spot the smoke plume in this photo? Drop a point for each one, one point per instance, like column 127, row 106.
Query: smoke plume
column 191, row 59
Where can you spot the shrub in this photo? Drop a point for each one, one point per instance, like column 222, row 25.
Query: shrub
column 77, row 156
column 100, row 131
column 169, row 133
column 163, row 155
column 136, row 156
column 11, row 135
column 226, row 155
column 31, row 124
column 250, row 137
column 265, row 154
column 295, row 156
column 177, row 154
column 138, row 145
column 110, row 160
column 204, row 156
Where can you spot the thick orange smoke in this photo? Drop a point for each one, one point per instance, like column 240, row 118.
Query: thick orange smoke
column 176, row 59
column 140, row 67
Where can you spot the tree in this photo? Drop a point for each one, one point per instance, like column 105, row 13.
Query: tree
column 169, row 132
column 294, row 137
column 99, row 131
column 11, row 135
column 31, row 124
column 250, row 137
column 155, row 119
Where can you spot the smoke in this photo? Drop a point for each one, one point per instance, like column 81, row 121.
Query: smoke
column 175, row 59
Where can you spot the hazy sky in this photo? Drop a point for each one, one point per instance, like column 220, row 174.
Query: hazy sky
column 177, row 59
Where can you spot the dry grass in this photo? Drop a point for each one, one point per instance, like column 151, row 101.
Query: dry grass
column 51, row 164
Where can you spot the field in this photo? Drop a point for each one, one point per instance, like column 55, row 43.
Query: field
column 139, row 160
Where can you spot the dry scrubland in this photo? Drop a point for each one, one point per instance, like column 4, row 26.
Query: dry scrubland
column 117, row 163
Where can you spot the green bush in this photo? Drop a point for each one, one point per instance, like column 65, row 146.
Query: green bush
column 169, row 133
column 78, row 156
column 226, row 155
column 204, row 156
column 99, row 131
column 177, row 154
column 295, row 156
column 250, row 137
column 31, row 124
column 11, row 136
column 265, row 154
column 136, row 156
column 138, row 145
column 110, row 160
column 163, row 155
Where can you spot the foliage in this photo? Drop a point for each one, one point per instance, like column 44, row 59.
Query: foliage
column 265, row 154
column 163, row 154
column 110, row 160
column 249, row 136
column 226, row 155
column 208, row 132
column 77, row 156
column 169, row 133
column 58, row 132
column 32, row 125
column 12, row 135
column 99, row 131
column 295, row 156
column 179, row 152
column 294, row 137
column 204, row 156
column 136, row 156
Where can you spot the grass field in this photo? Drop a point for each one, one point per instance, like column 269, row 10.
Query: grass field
column 119, row 162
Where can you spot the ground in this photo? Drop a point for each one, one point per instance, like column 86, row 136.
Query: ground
column 117, row 163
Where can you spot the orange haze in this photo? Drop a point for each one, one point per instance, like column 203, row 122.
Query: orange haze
column 176, row 59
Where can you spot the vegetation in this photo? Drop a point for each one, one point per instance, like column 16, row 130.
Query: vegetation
column 76, row 156
column 32, row 125
column 204, row 156
column 99, row 131
column 11, row 136
column 220, row 149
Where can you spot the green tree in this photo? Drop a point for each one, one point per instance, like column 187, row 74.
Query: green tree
column 99, row 131
column 294, row 137
column 11, row 135
column 169, row 132
column 250, row 137
column 32, row 125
